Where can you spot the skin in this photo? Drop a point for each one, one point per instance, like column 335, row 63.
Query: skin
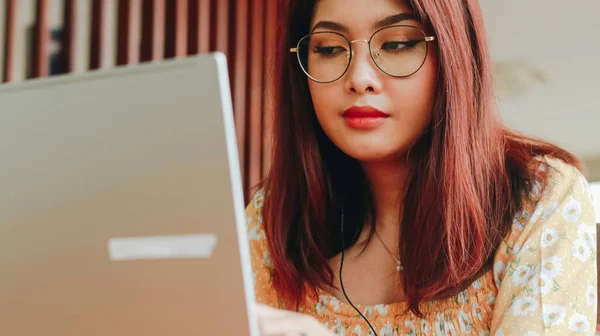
column 408, row 101
column 369, row 277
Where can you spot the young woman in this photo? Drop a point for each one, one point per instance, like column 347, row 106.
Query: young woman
column 396, row 202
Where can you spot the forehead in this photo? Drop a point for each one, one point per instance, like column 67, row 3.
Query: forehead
column 358, row 15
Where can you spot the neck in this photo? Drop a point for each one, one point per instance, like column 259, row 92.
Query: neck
column 388, row 182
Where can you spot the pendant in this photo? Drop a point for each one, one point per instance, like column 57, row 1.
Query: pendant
column 399, row 266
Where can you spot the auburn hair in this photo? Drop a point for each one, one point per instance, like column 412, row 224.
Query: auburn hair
column 468, row 182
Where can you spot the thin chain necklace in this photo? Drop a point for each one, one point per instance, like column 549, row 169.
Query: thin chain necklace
column 399, row 267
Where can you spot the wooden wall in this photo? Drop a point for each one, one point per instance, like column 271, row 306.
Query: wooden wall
column 99, row 34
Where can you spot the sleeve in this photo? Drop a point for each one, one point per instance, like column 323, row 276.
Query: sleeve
column 545, row 271
column 259, row 253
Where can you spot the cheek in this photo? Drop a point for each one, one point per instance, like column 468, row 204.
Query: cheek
column 325, row 107
column 414, row 97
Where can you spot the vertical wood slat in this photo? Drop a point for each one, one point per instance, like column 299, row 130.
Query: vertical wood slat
column 221, row 30
column 41, row 63
column 271, row 14
column 10, row 31
column 81, row 34
column 102, row 45
column 3, row 19
column 129, row 27
column 96, row 33
column 254, row 136
column 153, row 30
column 199, row 26
column 176, row 28
column 240, row 75
column 69, row 39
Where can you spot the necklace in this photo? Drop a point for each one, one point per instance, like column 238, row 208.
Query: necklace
column 398, row 263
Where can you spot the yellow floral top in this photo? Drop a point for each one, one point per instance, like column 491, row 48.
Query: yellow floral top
column 543, row 282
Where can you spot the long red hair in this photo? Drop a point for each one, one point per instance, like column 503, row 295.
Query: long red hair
column 469, row 181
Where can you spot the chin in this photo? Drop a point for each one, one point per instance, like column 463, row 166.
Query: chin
column 373, row 154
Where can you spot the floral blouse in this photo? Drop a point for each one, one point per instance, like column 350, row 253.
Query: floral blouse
column 543, row 282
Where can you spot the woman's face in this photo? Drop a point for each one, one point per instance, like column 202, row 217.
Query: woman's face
column 368, row 114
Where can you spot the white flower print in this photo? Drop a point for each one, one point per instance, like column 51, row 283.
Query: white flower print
column 357, row 330
column 579, row 322
column 549, row 210
column 266, row 260
column 484, row 333
column 499, row 332
column 499, row 272
column 587, row 233
column 581, row 250
column 259, row 199
column 338, row 327
column 477, row 311
column 256, row 233
column 476, row 284
column 591, row 295
column 551, row 267
column 424, row 327
column 546, row 284
column 534, row 282
column 449, row 327
column 464, row 322
column 320, row 307
column 439, row 326
column 518, row 250
column 335, row 304
column 521, row 275
column 520, row 220
column 553, row 315
column 387, row 330
column 572, row 211
column 381, row 309
column 524, row 306
column 412, row 328
column 490, row 299
column 463, row 296
column 549, row 237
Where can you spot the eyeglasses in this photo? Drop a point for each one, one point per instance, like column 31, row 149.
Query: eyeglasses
column 398, row 51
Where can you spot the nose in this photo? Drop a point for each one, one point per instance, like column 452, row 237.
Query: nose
column 362, row 76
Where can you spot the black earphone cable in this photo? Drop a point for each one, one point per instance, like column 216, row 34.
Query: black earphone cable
column 342, row 282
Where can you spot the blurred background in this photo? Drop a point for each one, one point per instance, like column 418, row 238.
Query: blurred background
column 546, row 57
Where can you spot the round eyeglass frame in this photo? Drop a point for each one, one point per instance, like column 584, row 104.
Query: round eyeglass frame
column 351, row 53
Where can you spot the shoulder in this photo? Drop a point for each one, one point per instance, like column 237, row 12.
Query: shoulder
column 546, row 267
column 562, row 212
column 564, row 197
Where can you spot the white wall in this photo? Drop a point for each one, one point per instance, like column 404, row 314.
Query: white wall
column 560, row 41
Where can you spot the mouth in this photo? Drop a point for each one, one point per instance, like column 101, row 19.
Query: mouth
column 364, row 117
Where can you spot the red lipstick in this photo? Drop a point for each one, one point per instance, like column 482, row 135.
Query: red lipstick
column 364, row 117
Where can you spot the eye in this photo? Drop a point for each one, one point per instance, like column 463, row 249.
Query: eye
column 398, row 45
column 329, row 51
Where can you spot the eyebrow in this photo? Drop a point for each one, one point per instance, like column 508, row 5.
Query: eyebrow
column 388, row 21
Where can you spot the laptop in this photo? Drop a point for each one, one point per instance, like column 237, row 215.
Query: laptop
column 121, row 205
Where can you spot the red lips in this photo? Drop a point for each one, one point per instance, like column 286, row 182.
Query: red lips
column 364, row 117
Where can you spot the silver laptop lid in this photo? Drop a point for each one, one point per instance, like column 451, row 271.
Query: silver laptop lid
column 121, row 208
